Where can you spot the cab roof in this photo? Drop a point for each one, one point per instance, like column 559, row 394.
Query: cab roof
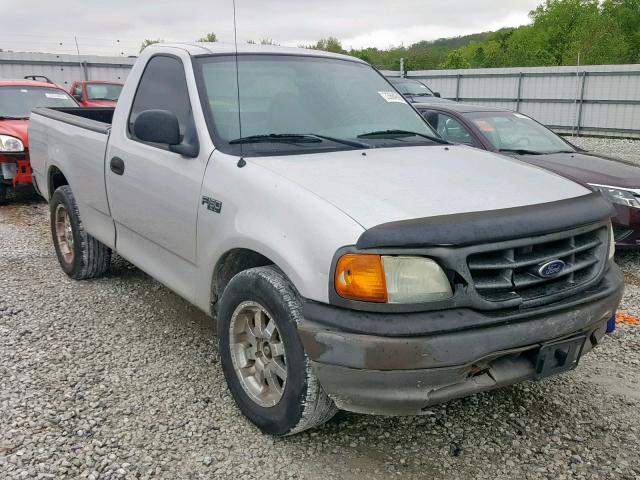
column 459, row 107
column 219, row 48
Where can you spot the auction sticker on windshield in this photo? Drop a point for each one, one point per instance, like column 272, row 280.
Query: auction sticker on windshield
column 61, row 96
column 392, row 97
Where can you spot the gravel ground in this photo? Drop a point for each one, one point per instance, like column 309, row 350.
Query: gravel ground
column 118, row 378
column 620, row 148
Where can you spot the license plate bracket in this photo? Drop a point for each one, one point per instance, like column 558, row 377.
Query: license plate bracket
column 559, row 356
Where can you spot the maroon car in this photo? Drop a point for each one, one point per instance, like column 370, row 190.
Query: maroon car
column 519, row 136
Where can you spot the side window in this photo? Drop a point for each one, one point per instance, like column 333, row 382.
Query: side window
column 77, row 90
column 163, row 86
column 448, row 128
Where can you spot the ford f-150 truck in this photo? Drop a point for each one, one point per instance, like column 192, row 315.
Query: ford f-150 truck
column 352, row 259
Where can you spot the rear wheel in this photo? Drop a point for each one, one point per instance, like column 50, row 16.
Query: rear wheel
column 80, row 255
column 264, row 362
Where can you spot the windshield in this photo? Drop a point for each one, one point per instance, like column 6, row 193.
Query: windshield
column 411, row 87
column 17, row 102
column 510, row 131
column 103, row 91
column 337, row 101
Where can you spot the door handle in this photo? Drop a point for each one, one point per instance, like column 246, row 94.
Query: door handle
column 117, row 165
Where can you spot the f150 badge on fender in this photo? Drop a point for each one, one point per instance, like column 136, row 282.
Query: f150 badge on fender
column 212, row 204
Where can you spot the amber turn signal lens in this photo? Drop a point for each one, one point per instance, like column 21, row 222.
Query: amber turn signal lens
column 361, row 277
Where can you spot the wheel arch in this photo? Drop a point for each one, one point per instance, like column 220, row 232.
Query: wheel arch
column 55, row 179
column 230, row 264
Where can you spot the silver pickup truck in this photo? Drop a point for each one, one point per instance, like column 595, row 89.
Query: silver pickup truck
column 351, row 258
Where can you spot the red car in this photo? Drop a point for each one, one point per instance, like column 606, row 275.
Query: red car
column 90, row 93
column 17, row 99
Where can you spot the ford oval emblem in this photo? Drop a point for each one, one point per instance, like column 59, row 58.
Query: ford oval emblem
column 551, row 268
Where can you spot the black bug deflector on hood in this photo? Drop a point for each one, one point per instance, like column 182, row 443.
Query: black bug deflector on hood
column 493, row 225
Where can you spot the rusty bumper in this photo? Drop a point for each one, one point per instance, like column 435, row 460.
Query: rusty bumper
column 402, row 375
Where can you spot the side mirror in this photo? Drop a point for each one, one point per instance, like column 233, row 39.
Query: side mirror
column 161, row 126
column 436, row 94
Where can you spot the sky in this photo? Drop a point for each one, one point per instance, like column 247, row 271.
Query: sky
column 117, row 27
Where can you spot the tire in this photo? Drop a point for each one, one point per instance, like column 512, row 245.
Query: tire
column 80, row 255
column 302, row 404
column 4, row 194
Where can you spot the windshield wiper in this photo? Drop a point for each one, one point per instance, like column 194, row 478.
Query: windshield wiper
column 395, row 134
column 102, row 99
column 520, row 151
column 296, row 138
column 9, row 117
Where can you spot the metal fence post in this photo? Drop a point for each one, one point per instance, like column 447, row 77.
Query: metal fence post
column 85, row 70
column 519, row 92
column 579, row 121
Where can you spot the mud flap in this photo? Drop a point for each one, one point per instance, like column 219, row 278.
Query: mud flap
column 558, row 356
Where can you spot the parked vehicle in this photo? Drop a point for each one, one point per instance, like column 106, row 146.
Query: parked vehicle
column 514, row 134
column 349, row 256
column 96, row 94
column 416, row 91
column 17, row 99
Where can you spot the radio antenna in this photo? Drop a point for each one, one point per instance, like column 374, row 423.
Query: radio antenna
column 241, row 162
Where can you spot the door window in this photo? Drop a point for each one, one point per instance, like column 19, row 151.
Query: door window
column 448, row 128
column 163, row 86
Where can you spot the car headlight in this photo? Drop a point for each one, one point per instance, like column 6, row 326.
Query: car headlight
column 620, row 196
column 10, row 144
column 612, row 242
column 390, row 279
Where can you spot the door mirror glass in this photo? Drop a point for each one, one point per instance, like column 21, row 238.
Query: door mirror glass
column 436, row 94
column 157, row 126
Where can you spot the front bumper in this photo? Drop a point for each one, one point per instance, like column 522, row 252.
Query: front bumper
column 626, row 226
column 15, row 169
column 403, row 375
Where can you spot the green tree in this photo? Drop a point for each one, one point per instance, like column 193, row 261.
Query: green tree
column 329, row 44
column 148, row 41
column 455, row 60
column 209, row 37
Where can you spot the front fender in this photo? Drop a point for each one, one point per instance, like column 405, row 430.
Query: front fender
column 261, row 211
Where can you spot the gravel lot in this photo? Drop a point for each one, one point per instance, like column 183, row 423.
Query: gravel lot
column 628, row 150
column 118, row 378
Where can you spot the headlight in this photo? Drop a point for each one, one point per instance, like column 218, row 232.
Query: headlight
column 389, row 279
column 10, row 144
column 620, row 196
column 612, row 243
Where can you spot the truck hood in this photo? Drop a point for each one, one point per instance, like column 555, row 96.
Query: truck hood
column 387, row 184
column 15, row 128
column 586, row 167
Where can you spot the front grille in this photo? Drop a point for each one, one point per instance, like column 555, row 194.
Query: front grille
column 511, row 273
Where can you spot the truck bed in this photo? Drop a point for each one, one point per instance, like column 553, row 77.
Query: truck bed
column 95, row 119
column 73, row 141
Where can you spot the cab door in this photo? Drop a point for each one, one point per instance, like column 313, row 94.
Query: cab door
column 153, row 192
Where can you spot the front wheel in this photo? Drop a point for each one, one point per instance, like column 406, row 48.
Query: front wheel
column 80, row 255
column 4, row 193
column 264, row 362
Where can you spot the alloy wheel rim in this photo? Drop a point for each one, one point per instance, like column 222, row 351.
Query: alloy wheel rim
column 64, row 233
column 258, row 354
